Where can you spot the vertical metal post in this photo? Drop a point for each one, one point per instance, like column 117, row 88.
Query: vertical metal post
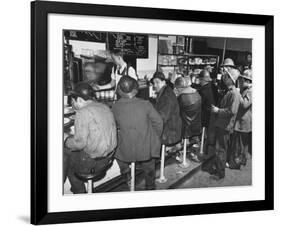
column 202, row 141
column 132, row 188
column 184, row 163
column 224, row 49
column 162, row 178
column 90, row 186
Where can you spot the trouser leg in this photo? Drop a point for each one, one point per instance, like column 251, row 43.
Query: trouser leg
column 222, row 144
column 149, row 173
column 125, row 170
column 250, row 143
column 245, row 147
column 235, row 151
column 211, row 132
column 66, row 156
column 79, row 162
column 124, row 167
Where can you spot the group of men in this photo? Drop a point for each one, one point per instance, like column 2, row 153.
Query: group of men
column 134, row 129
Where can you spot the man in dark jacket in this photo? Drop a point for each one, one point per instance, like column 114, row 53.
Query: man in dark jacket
column 168, row 107
column 207, row 95
column 140, row 128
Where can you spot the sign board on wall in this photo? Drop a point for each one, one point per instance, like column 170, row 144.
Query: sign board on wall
column 129, row 44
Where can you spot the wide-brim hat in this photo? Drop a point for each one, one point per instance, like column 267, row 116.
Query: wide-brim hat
column 247, row 74
column 127, row 86
column 228, row 62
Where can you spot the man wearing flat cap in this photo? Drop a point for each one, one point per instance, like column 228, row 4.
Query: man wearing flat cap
column 168, row 107
column 94, row 136
column 140, row 128
column 225, row 116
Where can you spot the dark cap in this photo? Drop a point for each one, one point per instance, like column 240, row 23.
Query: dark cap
column 159, row 75
column 83, row 90
column 127, row 85
column 205, row 75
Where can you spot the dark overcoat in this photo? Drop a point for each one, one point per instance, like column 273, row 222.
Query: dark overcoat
column 208, row 100
column 168, row 107
column 140, row 127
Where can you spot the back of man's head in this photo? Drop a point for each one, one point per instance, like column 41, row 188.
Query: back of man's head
column 82, row 90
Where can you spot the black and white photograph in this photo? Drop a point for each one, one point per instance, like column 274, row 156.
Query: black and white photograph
column 148, row 112
column 144, row 112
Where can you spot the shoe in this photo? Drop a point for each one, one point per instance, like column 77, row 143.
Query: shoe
column 216, row 177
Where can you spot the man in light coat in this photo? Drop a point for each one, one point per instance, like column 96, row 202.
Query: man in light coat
column 225, row 116
column 94, row 137
column 241, row 139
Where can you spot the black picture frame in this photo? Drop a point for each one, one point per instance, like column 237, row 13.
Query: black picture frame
column 39, row 112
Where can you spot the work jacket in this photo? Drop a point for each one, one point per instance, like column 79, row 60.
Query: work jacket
column 95, row 130
column 244, row 115
column 228, row 108
column 139, row 130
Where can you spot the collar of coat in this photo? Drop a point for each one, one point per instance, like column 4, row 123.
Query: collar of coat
column 123, row 99
column 231, row 87
column 246, row 91
column 188, row 90
column 161, row 91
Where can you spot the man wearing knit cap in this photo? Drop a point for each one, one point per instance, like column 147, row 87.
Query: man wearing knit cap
column 225, row 116
column 140, row 128
column 94, row 138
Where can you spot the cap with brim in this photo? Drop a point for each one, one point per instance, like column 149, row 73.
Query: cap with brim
column 158, row 75
column 127, row 86
column 76, row 94
column 247, row 74
column 204, row 76
column 83, row 90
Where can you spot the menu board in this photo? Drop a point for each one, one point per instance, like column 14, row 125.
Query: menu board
column 90, row 36
column 129, row 44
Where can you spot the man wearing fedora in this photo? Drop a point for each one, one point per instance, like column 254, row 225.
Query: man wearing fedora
column 225, row 116
column 140, row 128
column 94, row 137
column 241, row 139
